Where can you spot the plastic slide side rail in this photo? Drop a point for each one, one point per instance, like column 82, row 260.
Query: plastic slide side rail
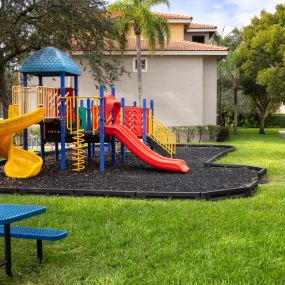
column 143, row 152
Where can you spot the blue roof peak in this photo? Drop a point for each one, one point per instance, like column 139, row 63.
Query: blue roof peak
column 49, row 61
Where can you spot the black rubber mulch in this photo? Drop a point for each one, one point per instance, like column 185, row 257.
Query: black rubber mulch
column 137, row 176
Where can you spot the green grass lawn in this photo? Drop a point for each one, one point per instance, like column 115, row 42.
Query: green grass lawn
column 118, row 241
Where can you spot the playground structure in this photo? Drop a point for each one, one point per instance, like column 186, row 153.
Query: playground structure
column 80, row 120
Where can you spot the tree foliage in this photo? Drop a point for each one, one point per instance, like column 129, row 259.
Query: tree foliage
column 28, row 25
column 152, row 28
column 230, row 96
column 263, row 61
column 231, row 40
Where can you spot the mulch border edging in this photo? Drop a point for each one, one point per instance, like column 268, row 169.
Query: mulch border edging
column 244, row 191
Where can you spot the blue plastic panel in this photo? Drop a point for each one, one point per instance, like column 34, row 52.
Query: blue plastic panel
column 49, row 61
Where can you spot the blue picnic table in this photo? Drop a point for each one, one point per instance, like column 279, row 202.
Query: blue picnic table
column 10, row 214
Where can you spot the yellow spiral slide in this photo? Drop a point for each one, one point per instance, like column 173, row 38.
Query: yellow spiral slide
column 20, row 163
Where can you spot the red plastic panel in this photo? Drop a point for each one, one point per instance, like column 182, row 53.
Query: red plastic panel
column 134, row 120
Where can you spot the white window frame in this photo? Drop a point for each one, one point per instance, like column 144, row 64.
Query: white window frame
column 134, row 64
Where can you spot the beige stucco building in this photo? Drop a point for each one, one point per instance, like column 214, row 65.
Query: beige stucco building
column 181, row 77
column 183, row 87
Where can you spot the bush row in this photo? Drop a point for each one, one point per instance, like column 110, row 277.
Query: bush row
column 253, row 121
column 187, row 134
column 275, row 121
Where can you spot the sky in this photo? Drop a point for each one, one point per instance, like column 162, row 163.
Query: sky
column 225, row 14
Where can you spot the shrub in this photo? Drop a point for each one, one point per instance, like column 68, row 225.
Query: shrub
column 190, row 133
column 201, row 131
column 223, row 134
column 177, row 131
column 249, row 121
column 212, row 131
column 275, row 121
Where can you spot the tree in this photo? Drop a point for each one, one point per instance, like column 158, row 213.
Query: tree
column 28, row 25
column 233, row 82
column 263, row 61
column 228, row 70
column 153, row 28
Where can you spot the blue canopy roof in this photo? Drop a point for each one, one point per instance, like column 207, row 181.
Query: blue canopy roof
column 49, row 61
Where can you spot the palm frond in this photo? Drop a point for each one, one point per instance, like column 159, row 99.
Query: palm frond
column 154, row 29
column 152, row 3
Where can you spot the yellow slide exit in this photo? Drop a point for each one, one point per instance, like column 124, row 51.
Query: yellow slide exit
column 20, row 163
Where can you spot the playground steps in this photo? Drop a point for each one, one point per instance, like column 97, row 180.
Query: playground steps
column 161, row 136
column 151, row 142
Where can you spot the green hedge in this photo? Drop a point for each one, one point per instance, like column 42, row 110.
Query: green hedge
column 186, row 134
column 275, row 121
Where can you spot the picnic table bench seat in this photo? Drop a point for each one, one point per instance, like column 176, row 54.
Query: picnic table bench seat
column 37, row 234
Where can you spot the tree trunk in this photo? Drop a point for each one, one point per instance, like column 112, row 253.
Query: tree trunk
column 3, row 92
column 139, row 62
column 262, row 123
column 219, row 105
column 235, row 112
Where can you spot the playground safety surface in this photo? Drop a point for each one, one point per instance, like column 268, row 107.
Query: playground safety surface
column 135, row 179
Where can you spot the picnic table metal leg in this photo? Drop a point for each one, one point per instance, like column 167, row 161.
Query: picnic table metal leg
column 7, row 237
column 40, row 251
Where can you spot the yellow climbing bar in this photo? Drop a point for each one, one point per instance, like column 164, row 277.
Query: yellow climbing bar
column 78, row 155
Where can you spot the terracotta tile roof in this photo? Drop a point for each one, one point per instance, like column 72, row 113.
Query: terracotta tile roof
column 176, row 46
column 173, row 16
column 201, row 26
column 163, row 15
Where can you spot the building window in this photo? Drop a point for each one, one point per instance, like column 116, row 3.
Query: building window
column 144, row 64
column 198, row 39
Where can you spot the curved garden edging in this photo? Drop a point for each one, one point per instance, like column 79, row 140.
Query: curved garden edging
column 243, row 191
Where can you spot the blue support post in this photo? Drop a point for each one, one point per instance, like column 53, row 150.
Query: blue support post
column 144, row 121
column 123, row 149
column 62, row 121
column 42, row 128
column 113, row 144
column 25, row 84
column 76, row 95
column 42, row 137
column 89, row 126
column 102, row 133
column 92, row 144
column 152, row 112
column 76, row 85
column 81, row 106
column 152, row 107
column 40, row 80
column 113, row 91
column 135, row 103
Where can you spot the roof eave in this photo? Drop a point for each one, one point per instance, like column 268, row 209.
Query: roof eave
column 164, row 52
column 179, row 21
column 201, row 30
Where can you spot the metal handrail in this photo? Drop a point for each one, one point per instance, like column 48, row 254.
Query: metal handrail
column 162, row 135
column 94, row 113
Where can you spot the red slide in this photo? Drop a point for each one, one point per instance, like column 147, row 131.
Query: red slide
column 143, row 152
